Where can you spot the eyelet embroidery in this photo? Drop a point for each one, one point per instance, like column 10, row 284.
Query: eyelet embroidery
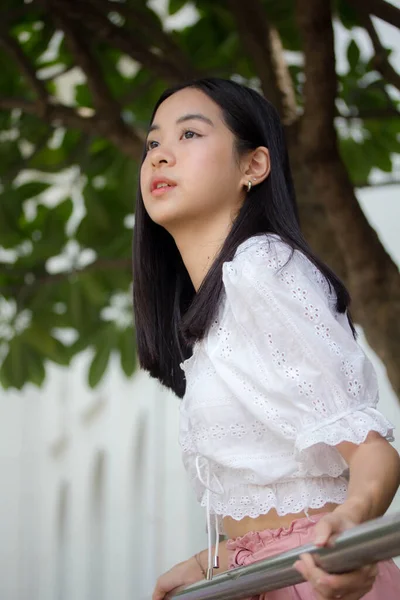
column 237, row 421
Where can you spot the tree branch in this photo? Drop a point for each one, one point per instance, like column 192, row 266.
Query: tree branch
column 108, row 110
column 23, row 164
column 318, row 136
column 127, row 140
column 388, row 112
column 27, row 70
column 67, row 69
column 264, row 46
column 107, row 122
column 64, row 115
column 139, row 15
column 367, row 184
column 320, row 87
column 15, row 14
column 99, row 26
column 381, row 9
column 136, row 92
column 380, row 61
column 103, row 101
column 102, row 264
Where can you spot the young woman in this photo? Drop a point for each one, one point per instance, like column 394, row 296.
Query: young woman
column 279, row 428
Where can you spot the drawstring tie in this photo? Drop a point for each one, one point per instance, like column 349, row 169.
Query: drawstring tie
column 214, row 564
column 211, row 564
column 308, row 516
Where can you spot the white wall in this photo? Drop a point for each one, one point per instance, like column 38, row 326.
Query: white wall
column 94, row 503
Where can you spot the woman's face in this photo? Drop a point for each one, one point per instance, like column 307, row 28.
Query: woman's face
column 190, row 148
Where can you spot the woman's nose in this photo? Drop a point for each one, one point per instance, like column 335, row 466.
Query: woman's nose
column 162, row 156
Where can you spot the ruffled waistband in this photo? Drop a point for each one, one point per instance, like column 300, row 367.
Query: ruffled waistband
column 254, row 540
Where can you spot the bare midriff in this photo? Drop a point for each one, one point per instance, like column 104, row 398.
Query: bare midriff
column 271, row 520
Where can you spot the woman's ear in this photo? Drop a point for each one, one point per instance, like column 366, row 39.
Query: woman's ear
column 257, row 165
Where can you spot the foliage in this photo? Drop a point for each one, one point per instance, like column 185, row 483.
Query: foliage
column 53, row 308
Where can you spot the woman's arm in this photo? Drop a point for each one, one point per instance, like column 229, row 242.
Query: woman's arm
column 188, row 572
column 374, row 477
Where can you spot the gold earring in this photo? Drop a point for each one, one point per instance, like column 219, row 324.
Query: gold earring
column 249, row 184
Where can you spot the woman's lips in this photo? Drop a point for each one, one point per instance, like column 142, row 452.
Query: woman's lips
column 162, row 190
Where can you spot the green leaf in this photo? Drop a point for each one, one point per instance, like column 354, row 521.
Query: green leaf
column 71, row 151
column 353, row 55
column 47, row 232
column 354, row 158
column 11, row 82
column 104, row 340
column 46, row 345
column 384, row 162
column 33, row 129
column 99, row 364
column 11, row 216
column 127, row 348
column 37, row 372
column 347, row 14
column 77, row 305
column 202, row 41
column 82, row 95
column 30, row 190
column 37, row 42
column 11, row 160
column 5, row 377
column 94, row 289
column 175, row 5
column 14, row 369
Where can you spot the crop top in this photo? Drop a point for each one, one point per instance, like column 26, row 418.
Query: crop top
column 276, row 383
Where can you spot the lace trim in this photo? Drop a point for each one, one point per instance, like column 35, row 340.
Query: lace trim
column 285, row 497
column 352, row 426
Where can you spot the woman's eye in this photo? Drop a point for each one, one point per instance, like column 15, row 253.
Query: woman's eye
column 149, row 144
column 189, row 131
column 188, row 135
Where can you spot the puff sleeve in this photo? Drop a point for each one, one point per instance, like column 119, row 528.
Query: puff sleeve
column 325, row 386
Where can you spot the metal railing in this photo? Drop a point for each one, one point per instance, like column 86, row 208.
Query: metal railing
column 370, row 542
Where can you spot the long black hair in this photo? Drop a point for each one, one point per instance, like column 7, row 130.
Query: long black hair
column 169, row 315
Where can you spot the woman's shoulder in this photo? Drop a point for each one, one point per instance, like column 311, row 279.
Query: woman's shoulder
column 269, row 255
column 268, row 250
column 260, row 241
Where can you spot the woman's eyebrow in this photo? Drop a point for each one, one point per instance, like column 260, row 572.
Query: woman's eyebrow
column 184, row 118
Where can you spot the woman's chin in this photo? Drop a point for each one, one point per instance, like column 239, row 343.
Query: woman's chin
column 168, row 217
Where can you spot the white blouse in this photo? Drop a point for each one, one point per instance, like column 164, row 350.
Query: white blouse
column 278, row 381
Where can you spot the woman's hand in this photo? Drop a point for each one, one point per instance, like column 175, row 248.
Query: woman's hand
column 182, row 574
column 349, row 586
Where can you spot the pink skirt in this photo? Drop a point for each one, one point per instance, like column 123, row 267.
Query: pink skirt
column 258, row 545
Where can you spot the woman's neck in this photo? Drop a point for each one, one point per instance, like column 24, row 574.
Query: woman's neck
column 199, row 250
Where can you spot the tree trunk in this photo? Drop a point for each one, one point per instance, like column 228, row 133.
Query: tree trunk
column 372, row 276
